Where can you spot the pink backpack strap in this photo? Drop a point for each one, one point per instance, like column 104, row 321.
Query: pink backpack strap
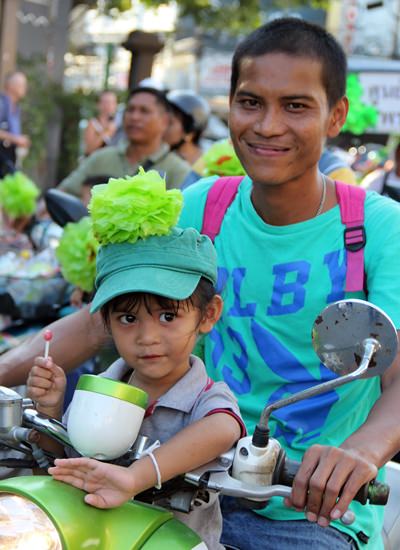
column 351, row 202
column 220, row 197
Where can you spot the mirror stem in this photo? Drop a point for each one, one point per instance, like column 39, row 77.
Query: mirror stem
column 261, row 432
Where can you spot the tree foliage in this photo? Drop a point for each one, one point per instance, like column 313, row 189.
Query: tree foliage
column 107, row 5
column 235, row 16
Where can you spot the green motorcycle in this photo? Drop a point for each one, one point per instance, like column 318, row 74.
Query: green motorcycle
column 352, row 338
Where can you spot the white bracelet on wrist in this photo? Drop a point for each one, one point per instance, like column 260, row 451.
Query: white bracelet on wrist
column 149, row 452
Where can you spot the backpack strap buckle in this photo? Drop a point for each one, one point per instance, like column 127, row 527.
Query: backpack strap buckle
column 355, row 238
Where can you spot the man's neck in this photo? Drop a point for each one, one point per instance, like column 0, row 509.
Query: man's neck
column 293, row 202
column 139, row 151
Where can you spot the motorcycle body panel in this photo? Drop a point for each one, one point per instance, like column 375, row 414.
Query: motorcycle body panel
column 174, row 535
column 80, row 526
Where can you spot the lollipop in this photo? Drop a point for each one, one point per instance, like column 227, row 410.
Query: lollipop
column 48, row 335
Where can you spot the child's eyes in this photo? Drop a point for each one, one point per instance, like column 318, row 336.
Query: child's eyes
column 127, row 319
column 167, row 317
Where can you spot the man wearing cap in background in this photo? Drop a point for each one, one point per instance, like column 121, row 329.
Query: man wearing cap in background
column 146, row 119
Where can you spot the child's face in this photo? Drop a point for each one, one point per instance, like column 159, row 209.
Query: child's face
column 157, row 343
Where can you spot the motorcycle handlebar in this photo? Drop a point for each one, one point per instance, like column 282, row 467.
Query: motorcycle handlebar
column 373, row 492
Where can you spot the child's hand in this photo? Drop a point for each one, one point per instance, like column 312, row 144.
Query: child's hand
column 108, row 485
column 46, row 384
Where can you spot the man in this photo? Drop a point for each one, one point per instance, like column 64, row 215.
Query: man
column 145, row 121
column 281, row 260
column 386, row 182
column 11, row 137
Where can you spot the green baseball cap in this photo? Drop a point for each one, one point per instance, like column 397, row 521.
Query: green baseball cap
column 169, row 265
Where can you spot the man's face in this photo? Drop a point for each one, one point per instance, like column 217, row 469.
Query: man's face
column 145, row 120
column 279, row 117
column 19, row 86
column 175, row 131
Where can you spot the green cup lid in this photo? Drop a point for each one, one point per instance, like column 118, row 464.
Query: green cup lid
column 113, row 388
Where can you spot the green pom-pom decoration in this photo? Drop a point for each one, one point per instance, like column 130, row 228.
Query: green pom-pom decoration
column 221, row 160
column 18, row 195
column 360, row 116
column 77, row 252
column 134, row 207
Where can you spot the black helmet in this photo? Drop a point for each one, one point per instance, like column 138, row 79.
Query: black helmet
column 194, row 108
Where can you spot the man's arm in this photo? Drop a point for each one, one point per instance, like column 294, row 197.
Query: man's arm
column 327, row 472
column 73, row 183
column 19, row 140
column 75, row 338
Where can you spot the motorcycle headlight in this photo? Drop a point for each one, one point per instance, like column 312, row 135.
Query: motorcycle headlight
column 24, row 526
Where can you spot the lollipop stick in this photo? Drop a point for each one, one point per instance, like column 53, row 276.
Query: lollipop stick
column 48, row 335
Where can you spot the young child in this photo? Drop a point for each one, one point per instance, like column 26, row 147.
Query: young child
column 156, row 296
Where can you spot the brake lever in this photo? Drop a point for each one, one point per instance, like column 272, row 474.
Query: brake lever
column 222, row 463
column 221, row 482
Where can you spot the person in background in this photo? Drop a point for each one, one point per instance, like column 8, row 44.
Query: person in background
column 189, row 114
column 145, row 122
column 386, row 181
column 102, row 128
column 88, row 185
column 333, row 166
column 188, row 120
column 11, row 136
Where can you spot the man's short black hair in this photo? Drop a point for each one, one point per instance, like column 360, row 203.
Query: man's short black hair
column 298, row 38
column 158, row 94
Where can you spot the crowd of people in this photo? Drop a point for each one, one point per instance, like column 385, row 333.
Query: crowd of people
column 281, row 258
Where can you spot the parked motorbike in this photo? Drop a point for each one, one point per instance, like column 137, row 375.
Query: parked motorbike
column 32, row 289
column 353, row 338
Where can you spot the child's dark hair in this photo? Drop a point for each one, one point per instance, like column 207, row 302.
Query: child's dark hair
column 301, row 39
column 200, row 298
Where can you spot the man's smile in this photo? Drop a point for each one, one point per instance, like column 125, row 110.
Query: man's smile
column 266, row 149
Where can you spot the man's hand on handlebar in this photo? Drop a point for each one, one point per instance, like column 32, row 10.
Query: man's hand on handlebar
column 327, row 481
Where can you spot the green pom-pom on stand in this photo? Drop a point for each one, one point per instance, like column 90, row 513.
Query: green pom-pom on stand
column 361, row 116
column 134, row 207
column 221, row 160
column 76, row 254
column 18, row 195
